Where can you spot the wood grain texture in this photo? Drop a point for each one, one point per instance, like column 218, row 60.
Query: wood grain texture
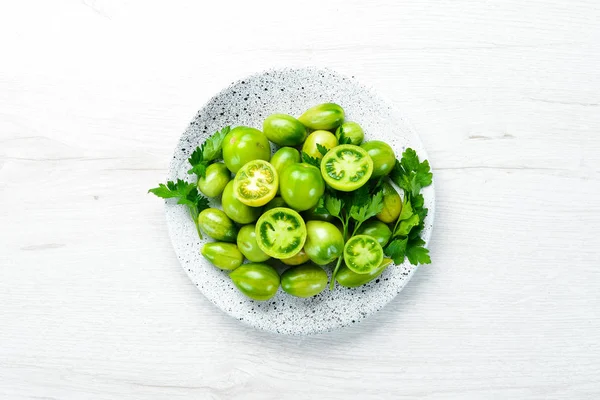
column 506, row 97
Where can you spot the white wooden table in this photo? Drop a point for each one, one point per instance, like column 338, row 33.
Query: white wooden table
column 94, row 95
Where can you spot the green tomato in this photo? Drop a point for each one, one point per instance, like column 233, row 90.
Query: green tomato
column 284, row 130
column 382, row 155
column 246, row 242
column 216, row 178
column 301, row 186
column 348, row 278
column 216, row 224
column 304, row 280
column 324, row 138
column 235, row 209
column 325, row 116
column 392, row 205
column 223, row 255
column 283, row 157
column 258, row 281
column 376, row 229
column 281, row 232
column 276, row 202
column 352, row 131
column 243, row 144
column 324, row 242
column 363, row 254
column 311, row 215
column 347, row 167
column 300, row 258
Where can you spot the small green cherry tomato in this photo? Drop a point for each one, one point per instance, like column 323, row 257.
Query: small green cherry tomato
column 300, row 258
column 352, row 131
column 258, row 281
column 276, row 202
column 377, row 230
column 216, row 224
column 284, row 130
column 324, row 242
column 243, row 144
column 324, row 138
column 382, row 155
column 216, row 178
column 283, row 157
column 304, row 280
column 301, row 186
column 348, row 278
column 256, row 183
column 281, row 232
column 392, row 205
column 325, row 116
column 235, row 209
column 346, row 167
column 246, row 243
column 362, row 254
column 223, row 255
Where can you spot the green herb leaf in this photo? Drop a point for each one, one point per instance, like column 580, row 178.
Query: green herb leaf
column 210, row 150
column 333, row 205
column 311, row 160
column 178, row 189
column 396, row 249
column 342, row 138
column 322, row 149
column 370, row 208
column 406, row 225
column 416, row 252
column 407, row 210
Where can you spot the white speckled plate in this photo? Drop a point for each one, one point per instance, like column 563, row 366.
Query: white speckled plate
column 249, row 102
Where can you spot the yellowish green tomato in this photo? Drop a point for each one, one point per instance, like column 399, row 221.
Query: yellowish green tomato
column 235, row 209
column 301, row 186
column 392, row 205
column 281, row 232
column 243, row 144
column 223, row 255
column 352, row 131
column 285, row 156
column 284, row 130
column 300, row 258
column 216, row 224
column 348, row 278
column 216, row 178
column 324, row 242
column 376, row 229
column 256, row 183
column 346, row 167
column 258, row 281
column 382, row 155
column 304, row 280
column 363, row 254
column 325, row 116
column 246, row 242
column 324, row 138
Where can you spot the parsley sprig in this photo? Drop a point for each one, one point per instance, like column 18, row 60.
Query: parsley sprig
column 411, row 176
column 210, row 151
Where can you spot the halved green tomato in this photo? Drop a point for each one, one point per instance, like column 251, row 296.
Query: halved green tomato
column 363, row 254
column 281, row 232
column 256, row 183
column 346, row 167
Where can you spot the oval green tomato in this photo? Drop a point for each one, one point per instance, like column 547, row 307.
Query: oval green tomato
column 281, row 232
column 235, row 209
column 382, row 155
column 392, row 205
column 246, row 242
column 325, row 116
column 223, row 255
column 323, row 138
column 362, row 254
column 301, row 186
column 304, row 280
column 256, row 183
column 256, row 280
column 284, row 130
column 377, row 230
column 243, row 144
column 346, row 167
column 216, row 224
column 216, row 178
column 351, row 131
column 300, row 258
column 324, row 242
column 283, row 157
column 348, row 278
column 276, row 202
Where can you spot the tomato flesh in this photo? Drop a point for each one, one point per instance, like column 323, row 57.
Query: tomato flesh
column 256, row 183
column 346, row 167
column 281, row 232
column 363, row 254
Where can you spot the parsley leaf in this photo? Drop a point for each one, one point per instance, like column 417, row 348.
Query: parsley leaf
column 334, row 205
column 405, row 226
column 322, row 149
column 342, row 139
column 209, row 151
column 315, row 162
column 370, row 208
column 396, row 249
column 410, row 174
column 416, row 252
